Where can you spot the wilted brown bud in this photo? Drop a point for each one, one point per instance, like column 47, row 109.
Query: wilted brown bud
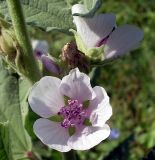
column 74, row 58
column 7, row 41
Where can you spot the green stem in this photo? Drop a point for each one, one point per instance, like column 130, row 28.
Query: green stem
column 94, row 74
column 69, row 155
column 30, row 65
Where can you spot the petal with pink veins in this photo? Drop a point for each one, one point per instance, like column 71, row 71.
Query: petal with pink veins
column 77, row 86
column 52, row 134
column 100, row 109
column 122, row 40
column 45, row 98
column 88, row 137
column 92, row 30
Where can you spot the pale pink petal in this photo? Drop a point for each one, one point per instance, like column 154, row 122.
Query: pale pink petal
column 122, row 40
column 52, row 134
column 45, row 98
column 93, row 29
column 77, row 85
column 89, row 137
column 100, row 109
column 50, row 64
column 79, row 8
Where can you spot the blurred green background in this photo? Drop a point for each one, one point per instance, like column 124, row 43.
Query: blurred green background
column 130, row 82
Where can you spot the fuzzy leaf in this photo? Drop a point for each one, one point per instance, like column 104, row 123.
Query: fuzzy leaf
column 10, row 111
column 4, row 139
column 24, row 86
column 50, row 14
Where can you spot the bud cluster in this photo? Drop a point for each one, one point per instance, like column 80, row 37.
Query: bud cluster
column 74, row 58
column 7, row 42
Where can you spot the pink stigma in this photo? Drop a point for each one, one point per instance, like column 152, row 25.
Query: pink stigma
column 73, row 114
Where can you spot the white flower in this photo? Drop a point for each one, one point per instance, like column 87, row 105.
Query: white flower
column 101, row 30
column 85, row 112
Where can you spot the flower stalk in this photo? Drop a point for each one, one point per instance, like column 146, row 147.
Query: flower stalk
column 30, row 66
column 69, row 155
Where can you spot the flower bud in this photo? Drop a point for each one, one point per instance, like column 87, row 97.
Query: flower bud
column 7, row 42
column 74, row 58
column 50, row 64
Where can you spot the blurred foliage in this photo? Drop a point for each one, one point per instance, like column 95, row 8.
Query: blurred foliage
column 130, row 83
column 121, row 152
column 151, row 155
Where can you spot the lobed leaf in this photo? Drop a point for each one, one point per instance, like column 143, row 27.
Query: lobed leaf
column 19, row 142
column 51, row 14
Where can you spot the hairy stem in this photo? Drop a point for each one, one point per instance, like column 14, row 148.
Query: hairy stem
column 69, row 155
column 30, row 66
column 94, row 74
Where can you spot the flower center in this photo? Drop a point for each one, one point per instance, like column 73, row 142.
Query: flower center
column 73, row 113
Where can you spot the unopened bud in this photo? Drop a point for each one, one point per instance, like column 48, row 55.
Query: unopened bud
column 50, row 64
column 7, row 42
column 74, row 58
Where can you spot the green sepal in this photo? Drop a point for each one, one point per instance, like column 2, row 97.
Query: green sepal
column 56, row 118
column 95, row 53
column 66, row 98
column 71, row 130
column 87, row 122
column 86, row 104
column 79, row 42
